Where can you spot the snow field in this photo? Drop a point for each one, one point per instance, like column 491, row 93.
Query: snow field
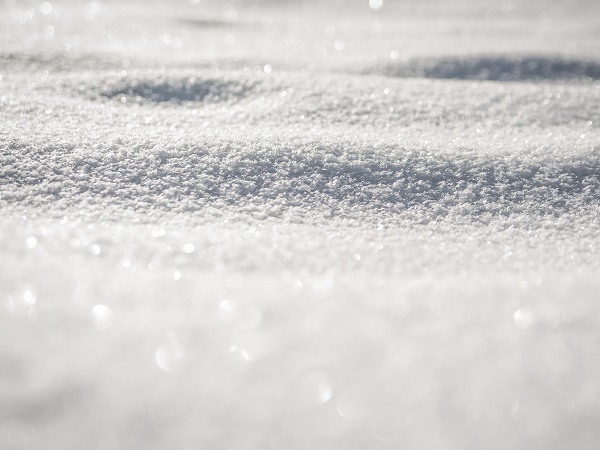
column 279, row 226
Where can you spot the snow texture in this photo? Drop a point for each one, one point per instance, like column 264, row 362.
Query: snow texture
column 299, row 224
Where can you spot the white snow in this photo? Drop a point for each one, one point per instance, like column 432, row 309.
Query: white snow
column 299, row 225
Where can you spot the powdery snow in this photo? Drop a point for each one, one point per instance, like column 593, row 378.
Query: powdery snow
column 295, row 225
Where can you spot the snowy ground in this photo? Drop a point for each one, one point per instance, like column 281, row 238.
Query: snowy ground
column 299, row 225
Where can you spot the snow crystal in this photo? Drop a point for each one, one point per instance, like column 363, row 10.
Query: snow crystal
column 103, row 317
column 375, row 4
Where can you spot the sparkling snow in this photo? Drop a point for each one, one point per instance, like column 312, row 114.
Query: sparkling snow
column 342, row 224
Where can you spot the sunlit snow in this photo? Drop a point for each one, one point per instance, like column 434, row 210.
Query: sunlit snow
column 261, row 224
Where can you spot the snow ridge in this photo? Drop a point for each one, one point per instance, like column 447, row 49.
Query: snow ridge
column 497, row 68
column 192, row 175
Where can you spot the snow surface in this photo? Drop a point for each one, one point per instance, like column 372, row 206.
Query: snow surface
column 299, row 224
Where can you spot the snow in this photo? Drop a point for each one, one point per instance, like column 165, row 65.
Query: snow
column 301, row 224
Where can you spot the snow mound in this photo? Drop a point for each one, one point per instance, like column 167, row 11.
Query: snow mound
column 194, row 174
column 497, row 68
column 178, row 90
